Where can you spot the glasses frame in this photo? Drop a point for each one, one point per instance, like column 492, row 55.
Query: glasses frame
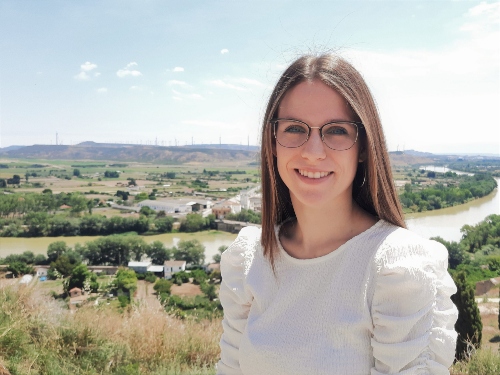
column 358, row 125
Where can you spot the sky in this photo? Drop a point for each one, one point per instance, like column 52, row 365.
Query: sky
column 199, row 71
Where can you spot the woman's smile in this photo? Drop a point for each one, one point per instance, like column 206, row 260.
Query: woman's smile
column 313, row 174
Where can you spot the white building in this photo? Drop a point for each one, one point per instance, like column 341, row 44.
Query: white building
column 139, row 267
column 173, row 266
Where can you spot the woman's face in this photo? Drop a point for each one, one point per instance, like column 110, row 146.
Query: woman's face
column 316, row 175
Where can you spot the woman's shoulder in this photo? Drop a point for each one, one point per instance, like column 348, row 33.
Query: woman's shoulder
column 402, row 246
column 240, row 254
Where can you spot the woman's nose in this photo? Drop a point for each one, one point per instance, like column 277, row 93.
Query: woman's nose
column 314, row 148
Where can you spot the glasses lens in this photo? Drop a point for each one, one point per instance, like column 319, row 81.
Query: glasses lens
column 340, row 135
column 291, row 133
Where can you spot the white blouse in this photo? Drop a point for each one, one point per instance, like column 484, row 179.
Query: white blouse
column 379, row 304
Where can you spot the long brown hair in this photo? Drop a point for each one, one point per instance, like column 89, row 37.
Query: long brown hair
column 373, row 186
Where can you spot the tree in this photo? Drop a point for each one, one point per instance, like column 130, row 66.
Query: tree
column 82, row 278
column 158, row 253
column 111, row 174
column 3, row 183
column 63, row 265
column 192, row 223
column 20, row 268
column 55, row 250
column 147, row 211
column 221, row 249
column 162, row 286
column 76, row 172
column 456, row 255
column 209, row 290
column 126, row 280
column 468, row 326
column 131, row 181
column 192, row 251
column 164, row 224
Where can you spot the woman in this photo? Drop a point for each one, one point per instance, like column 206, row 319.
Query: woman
column 333, row 283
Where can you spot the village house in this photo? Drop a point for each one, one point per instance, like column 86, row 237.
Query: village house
column 173, row 266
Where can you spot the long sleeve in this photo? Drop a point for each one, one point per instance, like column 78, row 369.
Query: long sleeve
column 413, row 315
column 235, row 298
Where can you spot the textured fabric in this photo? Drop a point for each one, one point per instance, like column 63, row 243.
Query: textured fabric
column 379, row 304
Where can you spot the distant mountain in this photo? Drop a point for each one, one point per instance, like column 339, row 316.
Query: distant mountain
column 9, row 148
column 140, row 153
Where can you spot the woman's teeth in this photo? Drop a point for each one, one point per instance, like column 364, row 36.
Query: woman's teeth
column 313, row 174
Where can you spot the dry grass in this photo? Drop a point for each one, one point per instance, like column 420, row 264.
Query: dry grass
column 39, row 336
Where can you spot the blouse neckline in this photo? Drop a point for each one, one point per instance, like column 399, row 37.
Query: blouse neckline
column 330, row 255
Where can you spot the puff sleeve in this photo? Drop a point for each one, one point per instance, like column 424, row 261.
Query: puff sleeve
column 413, row 315
column 235, row 297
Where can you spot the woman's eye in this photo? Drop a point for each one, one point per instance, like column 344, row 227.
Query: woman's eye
column 336, row 130
column 295, row 129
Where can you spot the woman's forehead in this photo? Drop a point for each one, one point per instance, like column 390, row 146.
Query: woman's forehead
column 314, row 101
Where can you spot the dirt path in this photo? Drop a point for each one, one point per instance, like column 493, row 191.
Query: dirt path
column 145, row 294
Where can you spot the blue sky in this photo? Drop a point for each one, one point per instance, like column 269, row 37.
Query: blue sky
column 199, row 71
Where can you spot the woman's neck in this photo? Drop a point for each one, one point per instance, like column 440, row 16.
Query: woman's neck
column 321, row 230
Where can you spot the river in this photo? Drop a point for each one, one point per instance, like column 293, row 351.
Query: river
column 445, row 223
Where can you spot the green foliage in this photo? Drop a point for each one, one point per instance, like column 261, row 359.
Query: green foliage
column 111, row 174
column 209, row 290
column 487, row 232
column 56, row 249
column 162, row 286
column 158, row 253
column 122, row 194
column 82, row 278
column 200, row 307
column 192, row 223
column 150, row 277
column 247, row 216
column 125, row 281
column 20, row 268
column 64, row 265
column 217, row 257
column 456, row 255
column 181, row 277
column 114, row 250
column 76, row 172
column 164, row 224
column 147, row 211
column 468, row 326
column 199, row 277
column 192, row 251
column 439, row 196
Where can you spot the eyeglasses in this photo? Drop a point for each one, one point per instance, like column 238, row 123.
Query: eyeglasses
column 337, row 135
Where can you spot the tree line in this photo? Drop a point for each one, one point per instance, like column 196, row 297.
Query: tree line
column 476, row 257
column 441, row 196
column 42, row 224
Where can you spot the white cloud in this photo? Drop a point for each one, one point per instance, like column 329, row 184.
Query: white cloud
column 176, row 98
column 102, row 90
column 439, row 92
column 82, row 76
column 178, row 69
column 129, row 71
column 224, row 51
column 88, row 66
column 221, row 83
column 135, row 88
column 174, row 82
column 84, row 69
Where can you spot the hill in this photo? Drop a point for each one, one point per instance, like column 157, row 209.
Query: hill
column 139, row 153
